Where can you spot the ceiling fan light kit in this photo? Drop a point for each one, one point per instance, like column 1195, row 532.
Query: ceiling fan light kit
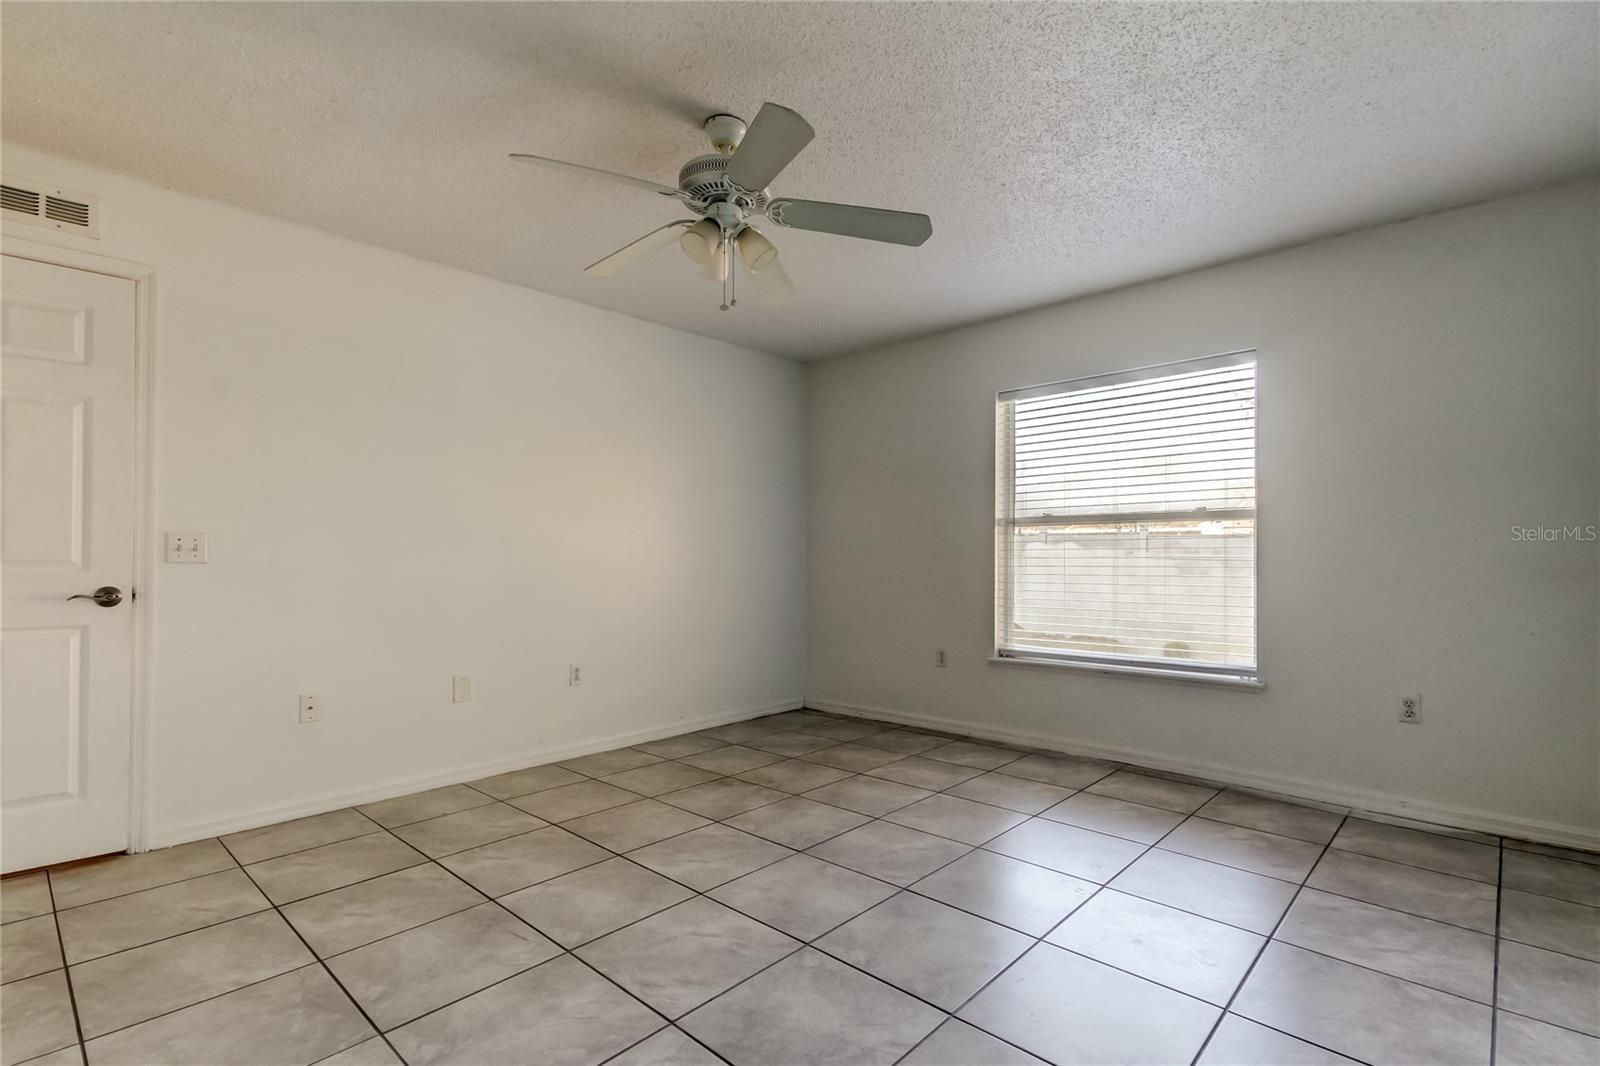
column 729, row 187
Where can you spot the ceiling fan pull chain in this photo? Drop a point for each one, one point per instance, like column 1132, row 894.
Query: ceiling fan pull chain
column 733, row 276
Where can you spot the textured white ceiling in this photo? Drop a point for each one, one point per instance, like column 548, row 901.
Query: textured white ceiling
column 1059, row 148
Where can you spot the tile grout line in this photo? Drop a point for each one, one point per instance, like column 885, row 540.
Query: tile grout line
column 164, row 884
column 673, row 1027
column 1381, row 973
column 297, row 851
column 1271, row 938
column 173, row 936
column 1553, row 1025
column 1494, row 981
column 1541, row 947
column 1395, row 910
column 66, row 972
column 1412, row 865
column 318, row 960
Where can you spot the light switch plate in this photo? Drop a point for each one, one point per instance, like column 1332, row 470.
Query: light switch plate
column 187, row 547
column 460, row 689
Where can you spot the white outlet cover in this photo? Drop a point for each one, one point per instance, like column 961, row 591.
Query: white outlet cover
column 460, row 689
column 574, row 675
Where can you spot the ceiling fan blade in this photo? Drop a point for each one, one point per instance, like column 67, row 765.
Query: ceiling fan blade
column 630, row 254
column 772, row 283
column 848, row 220
column 579, row 168
column 773, row 140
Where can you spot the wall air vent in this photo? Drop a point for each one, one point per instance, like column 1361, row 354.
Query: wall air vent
column 40, row 205
column 25, row 200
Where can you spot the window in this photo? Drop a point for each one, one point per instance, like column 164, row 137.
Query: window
column 1126, row 521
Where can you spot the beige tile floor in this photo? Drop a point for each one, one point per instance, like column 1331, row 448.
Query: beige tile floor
column 805, row 889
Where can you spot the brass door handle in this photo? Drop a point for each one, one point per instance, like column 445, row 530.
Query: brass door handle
column 105, row 596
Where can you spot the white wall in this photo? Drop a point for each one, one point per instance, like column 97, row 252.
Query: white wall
column 410, row 472
column 1423, row 388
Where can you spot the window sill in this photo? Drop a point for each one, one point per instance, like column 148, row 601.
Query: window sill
column 1148, row 672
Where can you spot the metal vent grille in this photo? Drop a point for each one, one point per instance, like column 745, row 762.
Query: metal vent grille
column 60, row 209
column 15, row 199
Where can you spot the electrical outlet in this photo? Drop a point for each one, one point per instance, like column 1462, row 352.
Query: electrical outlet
column 574, row 674
column 187, row 547
column 310, row 709
column 1410, row 709
column 938, row 657
column 460, row 689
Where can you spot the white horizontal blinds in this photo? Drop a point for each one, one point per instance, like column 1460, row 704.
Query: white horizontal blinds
column 1127, row 517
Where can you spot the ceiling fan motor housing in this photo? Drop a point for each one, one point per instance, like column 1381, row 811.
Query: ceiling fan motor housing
column 704, row 179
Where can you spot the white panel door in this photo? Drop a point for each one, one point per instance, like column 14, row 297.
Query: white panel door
column 66, row 528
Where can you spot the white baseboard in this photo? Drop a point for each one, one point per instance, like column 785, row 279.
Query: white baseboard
column 1359, row 801
column 183, row 834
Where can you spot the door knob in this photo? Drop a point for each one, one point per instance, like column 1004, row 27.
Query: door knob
column 105, row 596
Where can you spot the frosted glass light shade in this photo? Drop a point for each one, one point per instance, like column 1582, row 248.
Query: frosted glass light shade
column 755, row 249
column 700, row 240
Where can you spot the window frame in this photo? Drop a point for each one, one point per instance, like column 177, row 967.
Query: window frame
column 1108, row 664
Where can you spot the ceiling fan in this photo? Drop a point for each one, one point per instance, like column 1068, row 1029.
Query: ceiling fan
column 727, row 188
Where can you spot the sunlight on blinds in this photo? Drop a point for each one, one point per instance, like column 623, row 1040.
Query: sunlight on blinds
column 1126, row 518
